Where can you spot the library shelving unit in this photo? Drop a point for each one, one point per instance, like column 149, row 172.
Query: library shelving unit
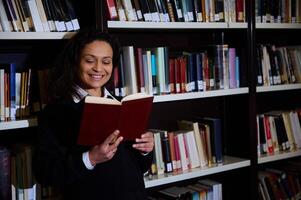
column 284, row 97
column 236, row 107
column 231, row 105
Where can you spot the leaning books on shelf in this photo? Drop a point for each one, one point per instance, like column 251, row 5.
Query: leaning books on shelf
column 37, row 16
column 195, row 144
column 278, row 131
column 201, row 189
column 281, row 182
column 278, row 65
column 176, row 10
column 16, row 175
column 157, row 71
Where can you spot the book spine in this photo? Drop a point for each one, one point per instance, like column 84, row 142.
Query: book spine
column 5, row 175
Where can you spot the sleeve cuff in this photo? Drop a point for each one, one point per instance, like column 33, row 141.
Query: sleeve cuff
column 86, row 160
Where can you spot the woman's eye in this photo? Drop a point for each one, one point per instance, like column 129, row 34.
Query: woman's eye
column 106, row 62
column 89, row 61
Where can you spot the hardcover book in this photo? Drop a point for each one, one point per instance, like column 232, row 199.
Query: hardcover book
column 101, row 116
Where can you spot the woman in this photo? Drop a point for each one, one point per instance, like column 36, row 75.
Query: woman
column 111, row 170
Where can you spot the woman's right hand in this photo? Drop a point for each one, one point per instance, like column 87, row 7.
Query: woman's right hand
column 105, row 151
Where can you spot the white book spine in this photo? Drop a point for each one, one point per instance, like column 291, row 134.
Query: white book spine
column 37, row 22
column 3, row 18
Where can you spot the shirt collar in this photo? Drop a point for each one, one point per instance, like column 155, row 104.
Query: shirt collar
column 83, row 93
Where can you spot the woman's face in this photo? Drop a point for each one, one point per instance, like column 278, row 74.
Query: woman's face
column 95, row 67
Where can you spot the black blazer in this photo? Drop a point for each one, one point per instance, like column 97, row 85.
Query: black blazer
column 58, row 160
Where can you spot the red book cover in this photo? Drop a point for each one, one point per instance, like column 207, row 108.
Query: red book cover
column 171, row 141
column 183, row 66
column 101, row 116
column 177, row 75
column 268, row 135
column 112, row 9
column 139, row 69
column 206, row 72
column 177, row 154
column 240, row 10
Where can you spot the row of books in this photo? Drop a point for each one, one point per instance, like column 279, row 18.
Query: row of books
column 203, row 189
column 14, row 92
column 280, row 182
column 278, row 131
column 177, row 10
column 158, row 71
column 278, row 65
column 38, row 16
column 16, row 176
column 195, row 144
column 278, row 11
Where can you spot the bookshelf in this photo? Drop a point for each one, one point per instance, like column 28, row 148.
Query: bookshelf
column 35, row 35
column 197, row 95
column 296, row 86
column 237, row 107
column 186, row 36
column 283, row 97
column 278, row 156
column 26, row 123
column 230, row 163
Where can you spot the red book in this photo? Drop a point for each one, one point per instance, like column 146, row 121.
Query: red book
column 183, row 66
column 268, row 134
column 240, row 10
column 112, row 9
column 101, row 116
column 139, row 70
column 177, row 75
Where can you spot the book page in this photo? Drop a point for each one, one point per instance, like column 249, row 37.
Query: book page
column 101, row 100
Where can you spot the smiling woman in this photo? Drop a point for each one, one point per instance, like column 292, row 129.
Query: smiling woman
column 95, row 66
column 110, row 170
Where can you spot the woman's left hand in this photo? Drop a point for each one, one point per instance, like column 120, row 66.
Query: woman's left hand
column 145, row 143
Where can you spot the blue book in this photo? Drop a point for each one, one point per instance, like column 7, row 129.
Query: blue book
column 154, row 73
column 199, row 72
column 237, row 72
column 12, row 87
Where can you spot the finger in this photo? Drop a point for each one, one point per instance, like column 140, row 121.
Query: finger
column 143, row 149
column 142, row 140
column 111, row 138
column 116, row 143
column 147, row 135
column 111, row 153
column 142, row 146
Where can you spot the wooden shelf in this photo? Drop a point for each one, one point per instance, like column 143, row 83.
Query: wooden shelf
column 35, row 35
column 278, row 87
column 230, row 163
column 278, row 156
column 196, row 95
column 18, row 124
column 278, row 25
column 174, row 25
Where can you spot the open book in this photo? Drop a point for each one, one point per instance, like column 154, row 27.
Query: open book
column 101, row 116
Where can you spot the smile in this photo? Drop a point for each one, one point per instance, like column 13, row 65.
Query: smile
column 96, row 76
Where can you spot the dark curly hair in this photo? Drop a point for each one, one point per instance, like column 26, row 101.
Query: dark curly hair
column 63, row 76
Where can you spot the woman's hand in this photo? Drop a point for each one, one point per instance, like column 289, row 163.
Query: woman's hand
column 145, row 144
column 105, row 151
